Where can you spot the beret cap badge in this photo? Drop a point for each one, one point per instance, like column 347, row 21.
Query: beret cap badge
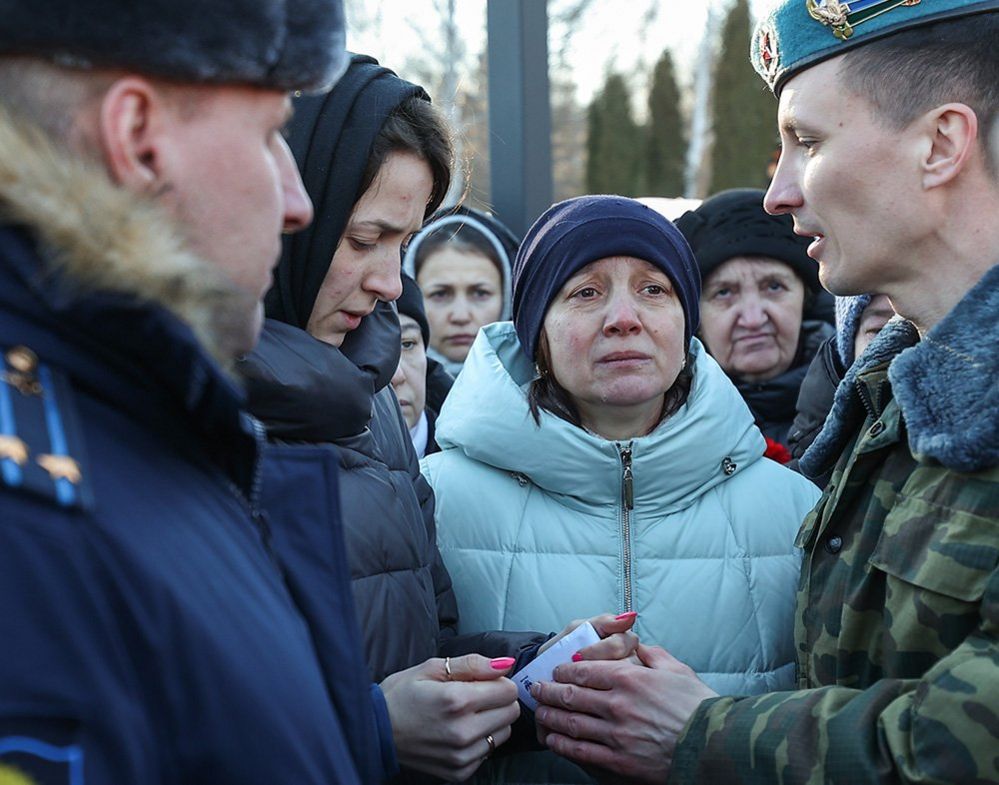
column 842, row 16
column 769, row 56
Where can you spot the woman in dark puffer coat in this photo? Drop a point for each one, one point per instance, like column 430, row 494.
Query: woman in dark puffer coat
column 375, row 161
column 858, row 320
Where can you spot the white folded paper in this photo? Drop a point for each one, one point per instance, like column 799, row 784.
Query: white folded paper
column 542, row 666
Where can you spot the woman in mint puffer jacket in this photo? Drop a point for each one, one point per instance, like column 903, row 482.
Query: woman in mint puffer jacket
column 595, row 456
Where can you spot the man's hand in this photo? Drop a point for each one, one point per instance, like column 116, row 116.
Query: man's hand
column 617, row 642
column 618, row 716
column 440, row 722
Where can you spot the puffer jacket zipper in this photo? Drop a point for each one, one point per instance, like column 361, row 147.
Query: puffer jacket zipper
column 627, row 505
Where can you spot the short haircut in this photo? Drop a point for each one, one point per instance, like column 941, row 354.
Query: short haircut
column 52, row 96
column 47, row 95
column 416, row 127
column 909, row 73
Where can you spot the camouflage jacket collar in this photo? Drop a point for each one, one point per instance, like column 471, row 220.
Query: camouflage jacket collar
column 947, row 386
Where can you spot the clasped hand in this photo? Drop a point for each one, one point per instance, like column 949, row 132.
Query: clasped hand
column 617, row 641
column 440, row 721
column 620, row 716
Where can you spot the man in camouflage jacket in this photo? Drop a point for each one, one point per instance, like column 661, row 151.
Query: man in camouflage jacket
column 897, row 626
column 899, row 600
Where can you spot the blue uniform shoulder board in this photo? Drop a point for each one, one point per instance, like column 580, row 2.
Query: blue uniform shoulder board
column 41, row 445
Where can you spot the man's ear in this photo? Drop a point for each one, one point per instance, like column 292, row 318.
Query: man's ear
column 953, row 142
column 131, row 124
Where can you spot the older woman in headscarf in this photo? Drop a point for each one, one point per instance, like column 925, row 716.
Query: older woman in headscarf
column 759, row 286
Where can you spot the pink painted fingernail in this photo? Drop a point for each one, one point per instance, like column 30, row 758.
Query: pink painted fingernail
column 577, row 657
column 501, row 663
column 628, row 615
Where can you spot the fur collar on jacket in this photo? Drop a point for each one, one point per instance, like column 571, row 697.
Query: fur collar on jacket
column 99, row 237
column 947, row 386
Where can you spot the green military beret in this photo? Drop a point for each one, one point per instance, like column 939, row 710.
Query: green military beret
column 798, row 34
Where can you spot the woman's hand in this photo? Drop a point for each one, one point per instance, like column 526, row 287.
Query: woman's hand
column 441, row 721
column 617, row 642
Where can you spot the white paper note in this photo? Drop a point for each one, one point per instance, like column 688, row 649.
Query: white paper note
column 542, row 666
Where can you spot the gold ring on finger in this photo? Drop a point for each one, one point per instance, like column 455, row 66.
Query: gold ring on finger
column 492, row 744
column 447, row 667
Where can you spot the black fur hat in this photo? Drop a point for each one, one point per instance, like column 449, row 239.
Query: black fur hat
column 281, row 44
column 734, row 223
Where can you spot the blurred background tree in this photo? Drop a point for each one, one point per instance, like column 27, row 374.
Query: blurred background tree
column 613, row 145
column 708, row 125
column 744, row 111
column 665, row 134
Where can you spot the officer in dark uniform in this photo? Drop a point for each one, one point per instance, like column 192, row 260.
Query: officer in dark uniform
column 147, row 634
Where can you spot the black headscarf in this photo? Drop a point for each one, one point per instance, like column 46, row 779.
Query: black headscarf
column 331, row 136
column 410, row 303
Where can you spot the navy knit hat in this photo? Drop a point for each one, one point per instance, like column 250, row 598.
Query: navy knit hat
column 734, row 223
column 576, row 232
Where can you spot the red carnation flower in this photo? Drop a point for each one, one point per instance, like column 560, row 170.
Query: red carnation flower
column 776, row 451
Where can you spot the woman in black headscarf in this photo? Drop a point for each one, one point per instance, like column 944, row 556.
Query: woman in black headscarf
column 761, row 304
column 375, row 160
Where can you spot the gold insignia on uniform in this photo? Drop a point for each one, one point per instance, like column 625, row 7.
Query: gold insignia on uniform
column 22, row 359
column 9, row 775
column 13, row 448
column 24, row 363
column 61, row 467
column 23, row 383
column 844, row 15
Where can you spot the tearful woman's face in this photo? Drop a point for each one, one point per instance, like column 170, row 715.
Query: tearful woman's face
column 615, row 335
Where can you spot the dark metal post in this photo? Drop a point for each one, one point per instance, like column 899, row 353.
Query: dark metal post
column 519, row 111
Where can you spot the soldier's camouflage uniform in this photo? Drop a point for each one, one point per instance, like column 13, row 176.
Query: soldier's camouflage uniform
column 898, row 602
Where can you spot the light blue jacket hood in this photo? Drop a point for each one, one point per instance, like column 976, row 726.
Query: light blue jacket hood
column 487, row 418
